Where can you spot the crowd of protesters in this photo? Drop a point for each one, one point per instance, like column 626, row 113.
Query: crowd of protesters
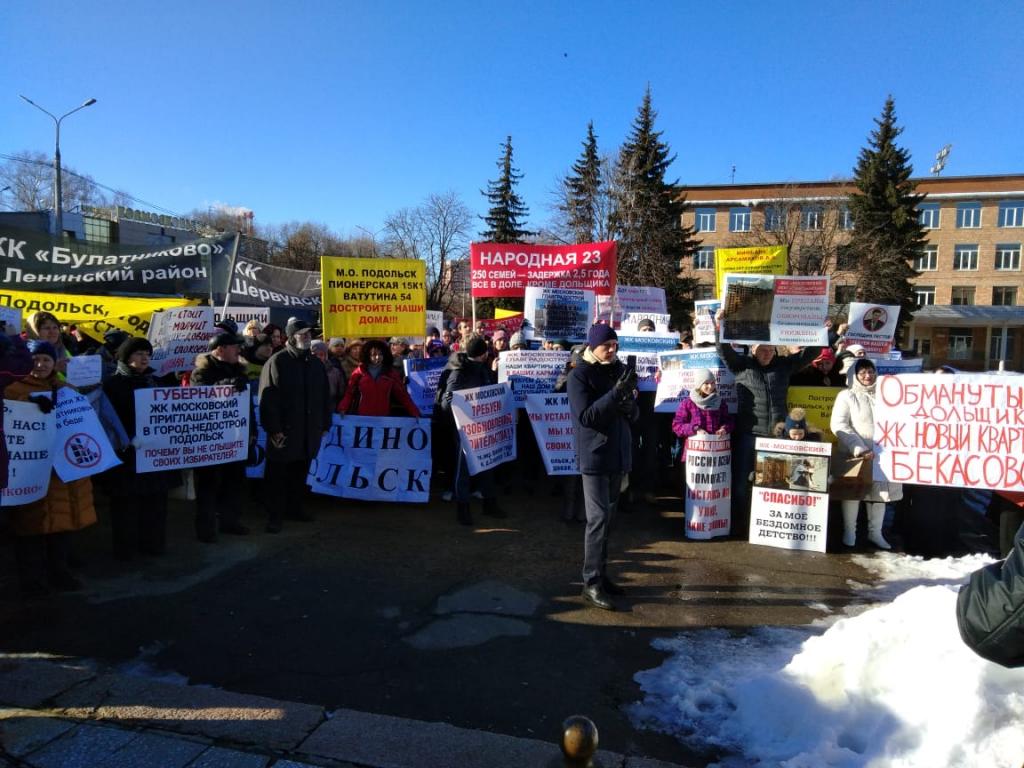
column 628, row 454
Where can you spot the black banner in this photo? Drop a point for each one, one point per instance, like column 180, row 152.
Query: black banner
column 264, row 285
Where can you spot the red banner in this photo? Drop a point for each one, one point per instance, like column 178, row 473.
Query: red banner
column 506, row 269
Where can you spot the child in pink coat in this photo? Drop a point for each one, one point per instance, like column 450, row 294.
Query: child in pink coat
column 703, row 412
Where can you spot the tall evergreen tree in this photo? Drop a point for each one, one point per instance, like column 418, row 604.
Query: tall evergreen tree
column 507, row 214
column 581, row 205
column 887, row 234
column 646, row 217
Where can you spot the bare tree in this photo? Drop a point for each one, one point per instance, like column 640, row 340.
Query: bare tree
column 437, row 232
column 30, row 178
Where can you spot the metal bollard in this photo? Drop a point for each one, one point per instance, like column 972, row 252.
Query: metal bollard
column 579, row 742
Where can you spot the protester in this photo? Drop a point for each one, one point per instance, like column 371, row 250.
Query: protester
column 15, row 362
column 295, row 411
column 138, row 503
column 462, row 336
column 252, row 329
column 853, row 423
column 570, row 486
column 277, row 337
column 704, row 411
column 399, row 352
column 795, row 427
column 499, row 343
column 375, row 387
column 353, row 357
column 847, row 357
column 46, row 327
column 42, row 528
column 643, row 479
column 435, row 348
column 603, row 404
column 335, row 378
column 219, row 486
column 255, row 354
column 468, row 370
column 820, row 373
column 518, row 341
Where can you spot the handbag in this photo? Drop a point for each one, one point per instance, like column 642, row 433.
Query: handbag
column 851, row 477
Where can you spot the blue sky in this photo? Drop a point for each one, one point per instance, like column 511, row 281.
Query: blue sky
column 344, row 112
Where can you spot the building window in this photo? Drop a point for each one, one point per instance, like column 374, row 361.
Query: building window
column 928, row 261
column 996, row 351
column 1008, row 256
column 812, row 217
column 1011, row 213
column 846, row 258
column 739, row 219
column 928, row 215
column 968, row 215
column 846, row 294
column 705, row 220
column 97, row 230
column 845, row 217
column 809, row 260
column 1004, row 296
column 962, row 295
column 705, row 292
column 965, row 257
column 960, row 344
column 704, row 258
column 924, row 295
column 774, row 219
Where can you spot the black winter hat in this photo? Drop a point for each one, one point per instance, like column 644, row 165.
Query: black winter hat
column 476, row 346
column 223, row 340
column 228, row 325
column 599, row 334
column 133, row 345
column 295, row 326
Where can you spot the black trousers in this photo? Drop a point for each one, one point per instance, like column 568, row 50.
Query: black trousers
column 219, row 490
column 42, row 558
column 285, row 489
column 601, row 497
column 139, row 523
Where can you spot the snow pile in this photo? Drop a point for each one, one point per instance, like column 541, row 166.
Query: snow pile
column 893, row 686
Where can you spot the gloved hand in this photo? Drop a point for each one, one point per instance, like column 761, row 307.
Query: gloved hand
column 626, row 384
column 45, row 404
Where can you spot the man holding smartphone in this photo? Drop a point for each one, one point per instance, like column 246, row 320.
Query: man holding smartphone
column 602, row 398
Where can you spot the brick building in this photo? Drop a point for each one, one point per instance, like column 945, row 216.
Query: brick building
column 970, row 291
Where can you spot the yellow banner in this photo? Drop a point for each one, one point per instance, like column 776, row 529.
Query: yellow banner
column 818, row 402
column 501, row 314
column 373, row 297
column 768, row 260
column 94, row 315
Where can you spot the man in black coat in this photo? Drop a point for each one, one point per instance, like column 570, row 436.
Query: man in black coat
column 602, row 397
column 218, row 486
column 295, row 410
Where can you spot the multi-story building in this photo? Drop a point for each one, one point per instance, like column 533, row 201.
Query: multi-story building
column 970, row 287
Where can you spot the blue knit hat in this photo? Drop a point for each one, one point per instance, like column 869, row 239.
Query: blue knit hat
column 600, row 334
column 40, row 347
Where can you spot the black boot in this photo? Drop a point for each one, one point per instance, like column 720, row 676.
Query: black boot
column 462, row 513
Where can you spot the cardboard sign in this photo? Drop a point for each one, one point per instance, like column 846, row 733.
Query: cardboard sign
column 955, row 430
column 82, row 448
column 704, row 321
column 373, row 297
column 774, row 309
column 756, row 260
column 551, row 420
column 423, row 375
column 11, row 318
column 646, row 346
column 708, row 502
column 530, row 371
column 486, row 420
column 631, row 322
column 178, row 336
column 256, row 460
column 557, row 313
column 84, row 370
column 872, row 326
column 243, row 315
column 374, row 459
column 189, row 427
column 29, row 433
column 505, row 269
column 677, row 378
column 789, row 501
column 818, row 402
column 644, row 300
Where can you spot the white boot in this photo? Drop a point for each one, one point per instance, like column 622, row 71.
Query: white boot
column 850, row 510
column 876, row 514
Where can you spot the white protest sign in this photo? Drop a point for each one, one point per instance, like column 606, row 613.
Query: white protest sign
column 898, row 366
column 11, row 318
column 29, row 434
column 708, row 503
column 82, row 448
column 256, row 461
column 641, row 299
column 704, row 321
column 955, row 430
column 872, row 326
column 530, row 371
column 423, row 375
column 435, row 320
column 557, row 313
column 552, row 425
column 178, row 335
column 678, row 371
column 604, row 310
column 789, row 500
column 84, row 370
column 486, row 420
column 244, row 315
column 775, row 309
column 189, row 427
column 631, row 321
column 646, row 346
column 374, row 459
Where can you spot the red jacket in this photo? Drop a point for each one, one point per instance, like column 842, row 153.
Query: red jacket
column 366, row 396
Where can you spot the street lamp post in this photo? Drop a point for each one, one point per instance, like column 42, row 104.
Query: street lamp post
column 57, row 185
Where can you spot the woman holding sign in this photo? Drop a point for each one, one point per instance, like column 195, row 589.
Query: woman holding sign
column 42, row 529
column 376, row 387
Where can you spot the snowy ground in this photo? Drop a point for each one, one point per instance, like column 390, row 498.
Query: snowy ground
column 889, row 685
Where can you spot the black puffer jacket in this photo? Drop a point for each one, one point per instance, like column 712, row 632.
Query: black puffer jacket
column 604, row 439
column 464, row 373
column 761, row 389
column 990, row 609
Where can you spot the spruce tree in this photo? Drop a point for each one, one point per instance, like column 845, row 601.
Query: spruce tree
column 582, row 188
column 507, row 212
column 887, row 234
column 647, row 212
